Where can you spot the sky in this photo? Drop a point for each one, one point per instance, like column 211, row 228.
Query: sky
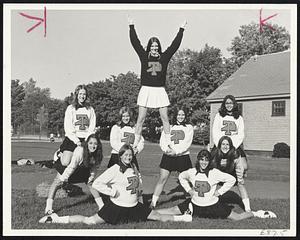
column 88, row 43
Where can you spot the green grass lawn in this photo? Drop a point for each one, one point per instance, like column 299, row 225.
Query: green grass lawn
column 27, row 208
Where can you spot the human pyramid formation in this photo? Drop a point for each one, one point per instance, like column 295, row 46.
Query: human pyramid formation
column 81, row 153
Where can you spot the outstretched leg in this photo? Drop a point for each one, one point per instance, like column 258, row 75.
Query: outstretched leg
column 56, row 184
column 165, row 120
column 170, row 214
column 96, row 196
column 163, row 177
column 240, row 216
column 54, row 218
column 139, row 125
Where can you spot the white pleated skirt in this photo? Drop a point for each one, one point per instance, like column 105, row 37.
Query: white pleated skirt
column 153, row 97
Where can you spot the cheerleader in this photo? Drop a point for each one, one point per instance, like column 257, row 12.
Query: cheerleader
column 227, row 159
column 85, row 160
column 124, row 190
column 79, row 123
column 201, row 183
column 121, row 133
column 229, row 122
column 154, row 65
column 177, row 157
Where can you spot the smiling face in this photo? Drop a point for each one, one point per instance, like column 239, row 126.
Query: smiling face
column 126, row 157
column 81, row 96
column 154, row 49
column 203, row 162
column 125, row 117
column 92, row 144
column 229, row 105
column 180, row 116
column 225, row 147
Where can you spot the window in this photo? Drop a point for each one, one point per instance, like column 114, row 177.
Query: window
column 240, row 108
column 278, row 108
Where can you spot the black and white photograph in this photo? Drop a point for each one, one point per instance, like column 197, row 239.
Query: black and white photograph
column 90, row 150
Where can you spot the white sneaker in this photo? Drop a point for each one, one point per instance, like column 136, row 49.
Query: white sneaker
column 187, row 216
column 264, row 214
column 53, row 218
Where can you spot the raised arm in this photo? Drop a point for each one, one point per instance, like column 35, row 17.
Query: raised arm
column 135, row 42
column 176, row 42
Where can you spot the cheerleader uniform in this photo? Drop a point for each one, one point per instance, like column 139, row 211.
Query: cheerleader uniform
column 75, row 172
column 120, row 135
column 229, row 126
column 205, row 204
column 181, row 140
column 78, row 124
column 153, row 71
column 124, row 191
column 236, row 169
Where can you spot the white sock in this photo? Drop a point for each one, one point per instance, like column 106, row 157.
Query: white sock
column 99, row 202
column 246, row 204
column 154, row 199
column 49, row 203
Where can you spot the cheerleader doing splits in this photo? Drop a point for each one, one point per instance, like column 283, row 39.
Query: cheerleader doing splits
column 154, row 65
column 124, row 191
column 121, row 133
column 177, row 157
column 79, row 123
column 201, row 183
column 81, row 169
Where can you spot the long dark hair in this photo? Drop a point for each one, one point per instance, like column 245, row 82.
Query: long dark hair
column 152, row 40
column 121, row 112
column 235, row 111
column 231, row 155
column 204, row 153
column 75, row 97
column 95, row 158
column 174, row 119
column 123, row 167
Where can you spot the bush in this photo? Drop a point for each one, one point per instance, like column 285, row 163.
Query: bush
column 281, row 150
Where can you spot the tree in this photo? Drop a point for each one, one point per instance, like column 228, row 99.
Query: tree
column 251, row 41
column 17, row 101
column 34, row 99
column 56, row 110
column 192, row 77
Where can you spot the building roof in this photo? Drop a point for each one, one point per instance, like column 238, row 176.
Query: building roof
column 262, row 76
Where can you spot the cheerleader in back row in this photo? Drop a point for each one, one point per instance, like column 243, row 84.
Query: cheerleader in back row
column 79, row 123
column 122, row 183
column 177, row 157
column 229, row 122
column 201, row 183
column 154, row 65
column 121, row 133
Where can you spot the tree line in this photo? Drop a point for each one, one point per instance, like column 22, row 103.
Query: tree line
column 192, row 76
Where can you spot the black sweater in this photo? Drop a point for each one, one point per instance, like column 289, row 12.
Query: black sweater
column 154, row 70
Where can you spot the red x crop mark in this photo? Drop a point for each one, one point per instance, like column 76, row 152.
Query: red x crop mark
column 262, row 21
column 40, row 20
